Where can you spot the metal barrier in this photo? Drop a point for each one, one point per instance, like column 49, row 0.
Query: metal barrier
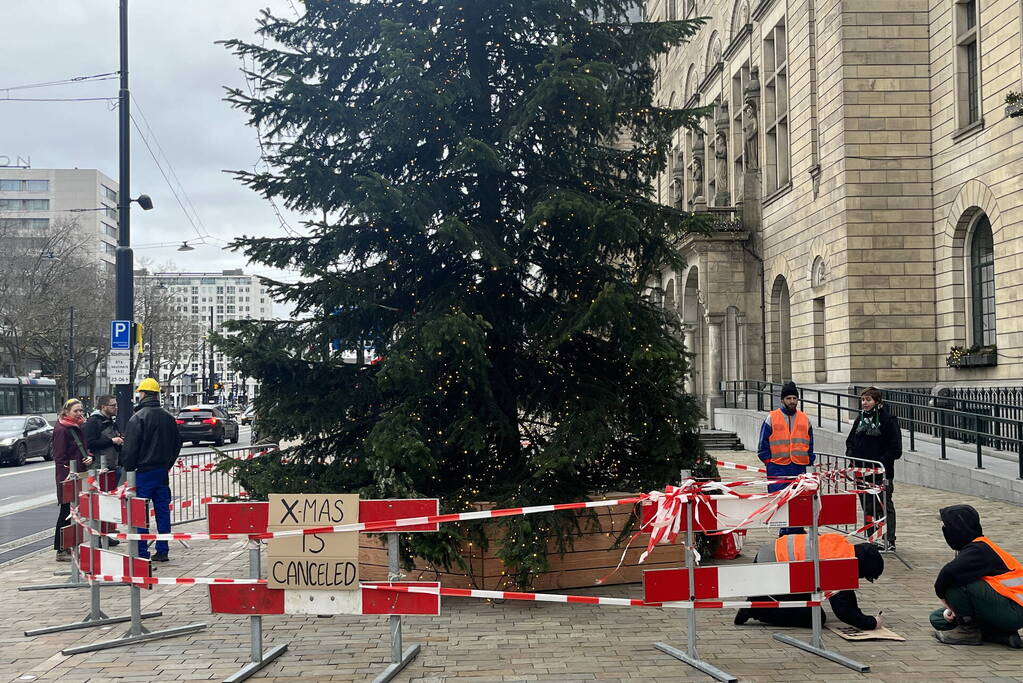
column 194, row 478
column 974, row 424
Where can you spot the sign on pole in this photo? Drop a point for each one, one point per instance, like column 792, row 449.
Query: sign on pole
column 119, row 366
column 326, row 562
column 120, row 334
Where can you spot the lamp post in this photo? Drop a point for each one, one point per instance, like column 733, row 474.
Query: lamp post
column 124, row 275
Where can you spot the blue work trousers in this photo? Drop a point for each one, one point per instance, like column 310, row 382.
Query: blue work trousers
column 155, row 485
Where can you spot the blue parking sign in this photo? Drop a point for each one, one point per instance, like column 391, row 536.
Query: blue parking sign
column 120, row 334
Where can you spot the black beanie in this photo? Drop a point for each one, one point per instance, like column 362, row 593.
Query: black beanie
column 871, row 562
column 789, row 389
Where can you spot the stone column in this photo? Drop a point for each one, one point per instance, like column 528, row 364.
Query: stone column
column 714, row 350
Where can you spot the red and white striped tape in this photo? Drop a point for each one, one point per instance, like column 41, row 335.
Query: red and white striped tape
column 465, row 593
column 378, row 525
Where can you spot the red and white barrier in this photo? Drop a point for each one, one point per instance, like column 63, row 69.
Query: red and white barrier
column 129, row 511
column 768, row 578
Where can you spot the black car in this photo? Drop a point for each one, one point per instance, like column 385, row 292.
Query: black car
column 23, row 437
column 207, row 423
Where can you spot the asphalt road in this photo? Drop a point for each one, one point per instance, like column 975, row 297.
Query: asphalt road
column 28, row 502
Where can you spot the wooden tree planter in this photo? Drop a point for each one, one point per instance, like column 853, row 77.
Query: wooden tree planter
column 593, row 557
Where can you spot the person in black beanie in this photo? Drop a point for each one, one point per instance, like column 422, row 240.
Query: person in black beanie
column 786, row 444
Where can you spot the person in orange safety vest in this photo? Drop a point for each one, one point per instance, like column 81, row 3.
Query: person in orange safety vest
column 794, row 547
column 982, row 588
column 786, row 443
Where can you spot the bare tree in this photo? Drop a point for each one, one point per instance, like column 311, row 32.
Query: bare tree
column 44, row 274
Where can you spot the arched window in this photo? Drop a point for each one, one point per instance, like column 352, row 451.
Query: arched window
column 982, row 283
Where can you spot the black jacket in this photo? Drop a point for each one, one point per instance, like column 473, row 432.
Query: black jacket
column 883, row 443
column 151, row 440
column 974, row 561
column 99, row 431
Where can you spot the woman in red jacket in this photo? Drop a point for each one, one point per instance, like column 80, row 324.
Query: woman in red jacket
column 68, row 447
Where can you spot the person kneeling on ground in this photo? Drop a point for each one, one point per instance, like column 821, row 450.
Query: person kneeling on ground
column 982, row 588
column 832, row 546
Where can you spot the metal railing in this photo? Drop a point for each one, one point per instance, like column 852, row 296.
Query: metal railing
column 194, row 478
column 946, row 418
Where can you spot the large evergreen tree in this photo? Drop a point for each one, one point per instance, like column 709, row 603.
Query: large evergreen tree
column 482, row 171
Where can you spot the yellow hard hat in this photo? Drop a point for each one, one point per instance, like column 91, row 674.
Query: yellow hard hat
column 149, row 384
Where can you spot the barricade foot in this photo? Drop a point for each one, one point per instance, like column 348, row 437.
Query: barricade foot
column 68, row 584
column 128, row 640
column 703, row 666
column 394, row 668
column 87, row 623
column 252, row 667
column 821, row 652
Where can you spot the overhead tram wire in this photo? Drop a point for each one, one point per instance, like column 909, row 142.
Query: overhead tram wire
column 108, row 76
column 170, row 166
column 174, row 192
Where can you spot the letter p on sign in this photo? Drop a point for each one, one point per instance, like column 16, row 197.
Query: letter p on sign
column 120, row 334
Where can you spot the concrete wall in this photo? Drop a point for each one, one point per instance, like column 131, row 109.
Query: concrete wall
column 923, row 467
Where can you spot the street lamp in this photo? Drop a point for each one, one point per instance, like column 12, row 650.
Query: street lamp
column 124, row 274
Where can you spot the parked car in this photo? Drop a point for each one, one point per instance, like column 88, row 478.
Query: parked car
column 246, row 417
column 207, row 423
column 23, row 437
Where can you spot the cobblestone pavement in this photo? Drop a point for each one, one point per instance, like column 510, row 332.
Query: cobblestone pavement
column 515, row 641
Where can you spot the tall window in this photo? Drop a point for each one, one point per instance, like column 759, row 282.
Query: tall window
column 982, row 283
column 740, row 79
column 967, row 82
column 776, row 109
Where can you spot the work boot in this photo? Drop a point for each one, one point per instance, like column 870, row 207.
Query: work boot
column 160, row 557
column 63, row 556
column 965, row 633
column 1006, row 638
column 742, row 616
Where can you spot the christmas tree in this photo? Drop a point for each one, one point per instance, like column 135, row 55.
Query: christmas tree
column 481, row 176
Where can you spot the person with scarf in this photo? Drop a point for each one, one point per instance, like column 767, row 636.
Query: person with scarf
column 876, row 435
column 786, row 444
column 68, row 447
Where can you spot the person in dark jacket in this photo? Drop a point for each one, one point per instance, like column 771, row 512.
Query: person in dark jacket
column 68, row 447
column 786, row 444
column 982, row 588
column 875, row 435
column 843, row 603
column 151, row 447
column 101, row 435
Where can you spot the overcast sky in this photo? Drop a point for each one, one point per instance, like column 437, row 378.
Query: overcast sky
column 178, row 75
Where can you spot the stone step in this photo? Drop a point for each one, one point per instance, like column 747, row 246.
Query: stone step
column 718, row 440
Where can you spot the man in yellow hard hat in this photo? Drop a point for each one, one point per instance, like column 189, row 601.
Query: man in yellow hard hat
column 151, row 447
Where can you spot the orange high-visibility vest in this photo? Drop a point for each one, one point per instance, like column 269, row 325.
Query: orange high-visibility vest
column 793, row 547
column 789, row 448
column 1009, row 584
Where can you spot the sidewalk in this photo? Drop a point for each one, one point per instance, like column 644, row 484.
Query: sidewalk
column 474, row 640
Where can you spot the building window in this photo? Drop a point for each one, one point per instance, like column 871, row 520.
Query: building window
column 982, row 283
column 967, row 81
column 109, row 249
column 24, row 185
column 109, row 230
column 776, row 109
column 25, row 204
column 26, row 224
column 108, row 193
column 739, row 82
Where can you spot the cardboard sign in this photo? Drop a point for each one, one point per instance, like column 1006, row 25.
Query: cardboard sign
column 853, row 633
column 326, row 562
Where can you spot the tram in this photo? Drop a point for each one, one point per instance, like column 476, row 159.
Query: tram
column 29, row 396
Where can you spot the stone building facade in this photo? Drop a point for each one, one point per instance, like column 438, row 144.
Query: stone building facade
column 865, row 173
